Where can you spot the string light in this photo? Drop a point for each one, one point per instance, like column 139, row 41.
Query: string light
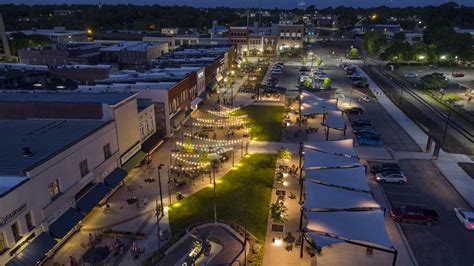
column 225, row 114
column 214, row 145
column 212, row 140
column 229, row 124
column 192, row 163
column 217, row 121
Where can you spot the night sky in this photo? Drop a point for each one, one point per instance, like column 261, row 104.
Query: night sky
column 254, row 3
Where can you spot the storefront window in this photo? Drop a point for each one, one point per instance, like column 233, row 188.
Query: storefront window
column 16, row 231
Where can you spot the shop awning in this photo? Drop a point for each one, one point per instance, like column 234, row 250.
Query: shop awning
column 65, row 223
column 34, row 252
column 343, row 147
column 134, row 161
column 212, row 85
column 152, row 142
column 321, row 160
column 334, row 120
column 115, row 177
column 319, row 196
column 196, row 101
column 364, row 226
column 92, row 197
column 345, row 177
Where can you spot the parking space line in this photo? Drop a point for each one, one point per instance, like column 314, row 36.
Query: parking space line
column 423, row 225
column 407, row 203
column 403, row 194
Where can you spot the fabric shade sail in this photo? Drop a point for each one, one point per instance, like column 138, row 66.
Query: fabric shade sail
column 364, row 226
column 335, row 120
column 320, row 240
column 345, row 177
column 319, row 196
column 343, row 147
column 320, row 160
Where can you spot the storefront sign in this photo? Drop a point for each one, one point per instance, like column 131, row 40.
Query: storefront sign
column 7, row 218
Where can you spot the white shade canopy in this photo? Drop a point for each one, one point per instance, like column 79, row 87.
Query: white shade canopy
column 307, row 97
column 334, row 120
column 318, row 160
column 319, row 196
column 345, row 177
column 344, row 147
column 321, row 240
column 365, row 226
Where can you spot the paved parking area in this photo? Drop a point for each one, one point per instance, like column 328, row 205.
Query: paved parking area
column 447, row 243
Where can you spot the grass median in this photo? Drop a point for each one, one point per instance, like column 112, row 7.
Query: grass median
column 250, row 183
column 265, row 121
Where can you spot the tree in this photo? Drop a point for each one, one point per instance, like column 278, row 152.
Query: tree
column 187, row 146
column 374, row 42
column 434, row 81
column 278, row 212
column 307, row 83
column 19, row 41
column 353, row 53
column 327, row 83
column 284, row 153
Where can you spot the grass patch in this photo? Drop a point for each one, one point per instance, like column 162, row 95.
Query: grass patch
column 265, row 121
column 468, row 168
column 251, row 183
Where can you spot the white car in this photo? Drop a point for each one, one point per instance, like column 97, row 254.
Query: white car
column 391, row 177
column 277, row 66
column 466, row 217
column 364, row 99
column 411, row 75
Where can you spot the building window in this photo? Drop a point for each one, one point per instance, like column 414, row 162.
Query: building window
column 16, row 231
column 84, row 168
column 53, row 189
column 29, row 221
column 107, row 152
column 3, row 245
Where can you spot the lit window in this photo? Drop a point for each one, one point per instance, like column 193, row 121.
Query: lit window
column 53, row 189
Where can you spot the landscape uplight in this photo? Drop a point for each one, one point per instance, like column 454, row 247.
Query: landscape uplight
column 421, row 57
column 443, row 57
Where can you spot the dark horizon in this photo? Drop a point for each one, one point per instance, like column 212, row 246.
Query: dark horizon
column 268, row 4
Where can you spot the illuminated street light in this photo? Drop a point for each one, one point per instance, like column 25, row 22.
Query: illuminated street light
column 374, row 16
column 421, row 57
column 443, row 57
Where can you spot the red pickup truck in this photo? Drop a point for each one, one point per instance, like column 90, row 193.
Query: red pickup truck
column 414, row 214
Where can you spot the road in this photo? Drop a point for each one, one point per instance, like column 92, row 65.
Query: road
column 426, row 116
column 447, row 243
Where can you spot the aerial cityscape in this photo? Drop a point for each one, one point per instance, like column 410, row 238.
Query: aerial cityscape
column 292, row 132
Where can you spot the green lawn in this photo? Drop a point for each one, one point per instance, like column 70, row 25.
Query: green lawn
column 251, row 184
column 265, row 121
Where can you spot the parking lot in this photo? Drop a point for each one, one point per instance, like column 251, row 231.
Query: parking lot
column 446, row 243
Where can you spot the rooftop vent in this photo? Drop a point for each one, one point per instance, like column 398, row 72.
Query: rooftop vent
column 27, row 152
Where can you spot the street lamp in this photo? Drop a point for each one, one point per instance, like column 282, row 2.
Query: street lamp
column 214, row 166
column 159, row 211
column 454, row 64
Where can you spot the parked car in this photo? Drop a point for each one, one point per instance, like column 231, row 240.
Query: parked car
column 370, row 141
column 319, row 72
column 391, row 177
column 409, row 213
column 361, row 123
column 411, row 75
column 364, row 99
column 360, row 84
column 368, row 134
column 384, row 167
column 277, row 71
column 466, row 217
column 305, row 69
column 355, row 111
column 364, row 130
column 458, row 74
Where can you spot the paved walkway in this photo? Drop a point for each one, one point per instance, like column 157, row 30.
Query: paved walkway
column 447, row 163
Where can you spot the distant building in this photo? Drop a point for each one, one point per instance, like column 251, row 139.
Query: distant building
column 384, row 28
column 61, row 54
column 65, row 12
column 4, row 48
column 134, row 53
column 290, row 37
column 169, row 31
column 174, row 42
column 412, row 37
column 58, row 35
column 464, row 30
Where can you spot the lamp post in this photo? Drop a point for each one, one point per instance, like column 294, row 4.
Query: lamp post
column 454, row 64
column 214, row 166
column 159, row 184
column 448, row 119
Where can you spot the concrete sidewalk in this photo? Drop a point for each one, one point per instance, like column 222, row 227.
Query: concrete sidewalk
column 447, row 163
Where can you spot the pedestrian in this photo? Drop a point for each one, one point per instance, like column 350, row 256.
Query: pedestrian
column 72, row 261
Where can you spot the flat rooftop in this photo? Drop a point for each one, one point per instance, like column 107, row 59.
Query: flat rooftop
column 129, row 46
column 126, row 87
column 110, row 98
column 44, row 138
